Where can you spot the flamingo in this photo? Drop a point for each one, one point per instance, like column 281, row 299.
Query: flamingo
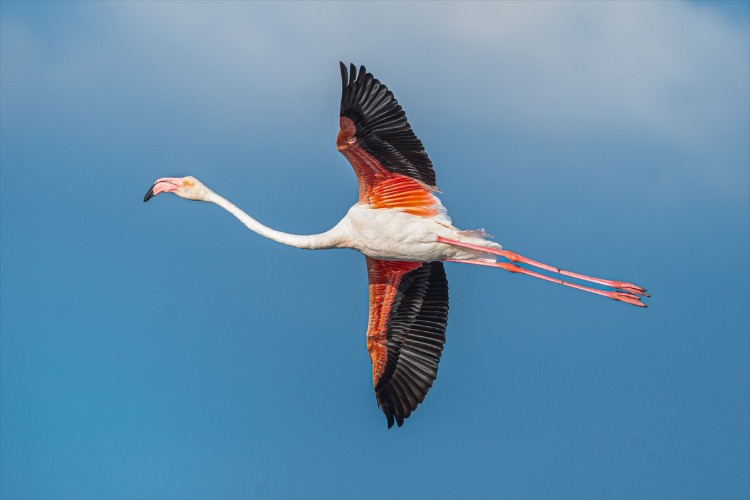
column 405, row 234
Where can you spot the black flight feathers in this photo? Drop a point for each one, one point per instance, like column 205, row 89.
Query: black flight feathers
column 381, row 126
column 414, row 340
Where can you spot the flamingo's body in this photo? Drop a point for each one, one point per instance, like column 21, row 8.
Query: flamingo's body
column 405, row 234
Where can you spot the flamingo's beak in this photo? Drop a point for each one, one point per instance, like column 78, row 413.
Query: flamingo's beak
column 165, row 185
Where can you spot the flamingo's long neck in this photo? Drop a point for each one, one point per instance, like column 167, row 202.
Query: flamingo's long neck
column 330, row 239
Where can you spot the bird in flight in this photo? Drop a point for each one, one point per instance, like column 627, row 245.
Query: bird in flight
column 405, row 234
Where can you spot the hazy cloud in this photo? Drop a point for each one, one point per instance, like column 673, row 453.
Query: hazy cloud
column 674, row 71
column 664, row 66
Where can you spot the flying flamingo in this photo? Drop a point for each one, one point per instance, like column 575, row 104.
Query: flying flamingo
column 405, row 234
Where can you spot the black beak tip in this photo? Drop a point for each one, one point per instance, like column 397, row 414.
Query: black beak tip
column 150, row 194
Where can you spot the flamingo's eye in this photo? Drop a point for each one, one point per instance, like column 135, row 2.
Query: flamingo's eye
column 186, row 183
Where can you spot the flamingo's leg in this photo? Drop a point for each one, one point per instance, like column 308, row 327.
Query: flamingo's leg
column 622, row 296
column 625, row 292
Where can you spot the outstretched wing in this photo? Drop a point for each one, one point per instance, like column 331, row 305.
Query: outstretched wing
column 378, row 141
column 406, row 332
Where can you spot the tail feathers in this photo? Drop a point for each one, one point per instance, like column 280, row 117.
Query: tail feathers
column 484, row 243
column 476, row 233
column 478, row 247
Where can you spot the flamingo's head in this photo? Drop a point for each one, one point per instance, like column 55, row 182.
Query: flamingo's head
column 189, row 188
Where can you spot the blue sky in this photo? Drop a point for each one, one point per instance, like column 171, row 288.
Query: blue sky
column 164, row 351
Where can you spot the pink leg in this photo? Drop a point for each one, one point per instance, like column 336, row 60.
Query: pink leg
column 625, row 292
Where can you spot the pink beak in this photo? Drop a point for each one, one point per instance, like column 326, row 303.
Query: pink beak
column 163, row 185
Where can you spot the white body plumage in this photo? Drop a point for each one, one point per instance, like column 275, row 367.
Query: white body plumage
column 393, row 234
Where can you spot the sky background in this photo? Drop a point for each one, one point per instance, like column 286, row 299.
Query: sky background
column 162, row 350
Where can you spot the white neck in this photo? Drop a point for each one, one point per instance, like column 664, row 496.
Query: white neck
column 330, row 239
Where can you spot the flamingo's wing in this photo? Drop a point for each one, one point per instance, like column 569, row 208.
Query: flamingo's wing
column 406, row 332
column 377, row 139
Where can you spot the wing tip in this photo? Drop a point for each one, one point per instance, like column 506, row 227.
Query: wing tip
column 392, row 417
column 350, row 75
